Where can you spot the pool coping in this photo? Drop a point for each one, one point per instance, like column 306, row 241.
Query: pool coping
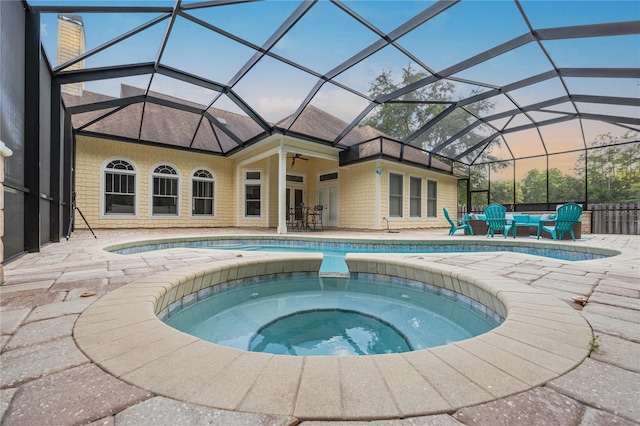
column 482, row 243
column 541, row 338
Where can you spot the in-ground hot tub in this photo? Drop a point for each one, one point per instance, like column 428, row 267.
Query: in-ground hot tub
column 540, row 339
column 332, row 315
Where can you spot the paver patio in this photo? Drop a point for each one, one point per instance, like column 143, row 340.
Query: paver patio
column 46, row 379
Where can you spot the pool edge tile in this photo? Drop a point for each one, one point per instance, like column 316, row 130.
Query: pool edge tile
column 319, row 393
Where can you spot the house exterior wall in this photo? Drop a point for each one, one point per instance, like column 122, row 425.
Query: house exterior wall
column 358, row 195
column 267, row 193
column 91, row 155
column 364, row 197
column 363, row 189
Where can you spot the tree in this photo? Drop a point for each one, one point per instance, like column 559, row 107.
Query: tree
column 564, row 188
column 412, row 111
column 534, row 187
column 502, row 192
column 613, row 169
column 409, row 113
column 399, row 120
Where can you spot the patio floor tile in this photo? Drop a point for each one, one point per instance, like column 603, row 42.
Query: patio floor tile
column 47, row 378
column 75, row 396
column 602, row 386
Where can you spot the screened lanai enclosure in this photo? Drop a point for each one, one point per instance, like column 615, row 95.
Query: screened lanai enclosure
column 529, row 103
column 537, row 101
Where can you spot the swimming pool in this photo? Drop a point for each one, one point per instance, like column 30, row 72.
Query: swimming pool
column 333, row 316
column 334, row 250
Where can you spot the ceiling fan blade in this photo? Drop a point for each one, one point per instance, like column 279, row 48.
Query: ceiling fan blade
column 294, row 157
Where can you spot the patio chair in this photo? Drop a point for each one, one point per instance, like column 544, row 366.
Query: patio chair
column 568, row 215
column 292, row 223
column 316, row 217
column 496, row 217
column 458, row 224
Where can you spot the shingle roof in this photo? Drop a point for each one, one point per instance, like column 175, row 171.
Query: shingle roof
column 163, row 124
column 320, row 124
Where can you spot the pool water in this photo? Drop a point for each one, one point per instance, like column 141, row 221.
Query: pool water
column 332, row 316
column 334, row 251
column 329, row 332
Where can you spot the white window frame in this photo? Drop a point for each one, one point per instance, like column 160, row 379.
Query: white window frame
column 296, row 175
column 292, row 185
column 246, row 182
column 431, row 199
column 396, row 196
column 327, row 173
column 414, row 197
column 153, row 174
column 103, row 186
column 210, row 179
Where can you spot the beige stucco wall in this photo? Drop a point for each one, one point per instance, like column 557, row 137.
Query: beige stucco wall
column 91, row 155
column 365, row 186
column 266, row 194
column 358, row 195
column 362, row 192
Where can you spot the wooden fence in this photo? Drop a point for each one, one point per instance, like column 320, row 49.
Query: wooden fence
column 615, row 218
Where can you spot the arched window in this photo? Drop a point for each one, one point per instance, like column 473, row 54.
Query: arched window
column 203, row 190
column 119, row 188
column 165, row 191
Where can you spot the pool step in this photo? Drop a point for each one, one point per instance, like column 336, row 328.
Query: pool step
column 334, row 274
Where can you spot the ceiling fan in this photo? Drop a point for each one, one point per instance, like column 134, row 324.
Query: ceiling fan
column 296, row 157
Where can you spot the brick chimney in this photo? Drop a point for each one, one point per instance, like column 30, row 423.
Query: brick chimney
column 71, row 44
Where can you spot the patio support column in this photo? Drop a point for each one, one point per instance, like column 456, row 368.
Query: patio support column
column 32, row 132
column 282, row 191
column 68, row 171
column 4, row 152
column 55, row 228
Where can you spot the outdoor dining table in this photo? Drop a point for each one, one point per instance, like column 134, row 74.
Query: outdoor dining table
column 305, row 218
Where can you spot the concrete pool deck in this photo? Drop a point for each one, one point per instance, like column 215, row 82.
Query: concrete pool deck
column 46, row 379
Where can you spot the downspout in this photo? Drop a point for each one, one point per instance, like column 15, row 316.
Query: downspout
column 379, row 171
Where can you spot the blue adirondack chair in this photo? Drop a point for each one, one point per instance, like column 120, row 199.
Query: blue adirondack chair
column 568, row 215
column 496, row 217
column 458, row 224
